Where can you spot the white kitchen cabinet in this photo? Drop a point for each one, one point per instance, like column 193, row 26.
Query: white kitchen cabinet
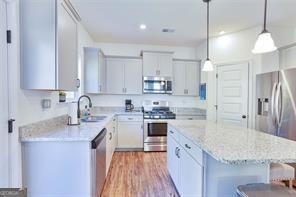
column 124, row 75
column 115, row 76
column 49, row 59
column 185, row 167
column 133, row 76
column 94, row 71
column 191, row 175
column 130, row 132
column 186, row 78
column 158, row 64
column 173, row 163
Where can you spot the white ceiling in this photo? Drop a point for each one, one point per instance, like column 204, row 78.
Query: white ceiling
column 119, row 20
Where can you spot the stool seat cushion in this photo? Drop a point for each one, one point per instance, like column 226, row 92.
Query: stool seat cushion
column 281, row 171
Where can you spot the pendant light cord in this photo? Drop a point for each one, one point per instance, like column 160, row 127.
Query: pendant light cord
column 265, row 13
column 208, row 18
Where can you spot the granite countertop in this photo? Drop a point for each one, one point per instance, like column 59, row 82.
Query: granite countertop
column 236, row 145
column 45, row 131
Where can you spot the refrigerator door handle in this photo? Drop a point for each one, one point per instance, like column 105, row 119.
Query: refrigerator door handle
column 272, row 99
column 278, row 104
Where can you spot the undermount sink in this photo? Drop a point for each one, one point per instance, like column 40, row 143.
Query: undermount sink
column 93, row 119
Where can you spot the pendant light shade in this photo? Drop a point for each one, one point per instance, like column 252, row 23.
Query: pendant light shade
column 208, row 66
column 264, row 43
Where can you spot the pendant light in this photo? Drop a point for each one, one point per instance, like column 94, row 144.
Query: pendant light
column 208, row 66
column 264, row 43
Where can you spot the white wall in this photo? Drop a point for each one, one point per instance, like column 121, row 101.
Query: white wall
column 25, row 104
column 135, row 50
column 236, row 47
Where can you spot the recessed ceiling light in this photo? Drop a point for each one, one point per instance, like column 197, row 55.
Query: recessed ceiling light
column 143, row 26
column 222, row 32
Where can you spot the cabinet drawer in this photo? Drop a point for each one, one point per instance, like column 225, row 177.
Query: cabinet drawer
column 130, row 118
column 192, row 149
column 174, row 133
column 189, row 117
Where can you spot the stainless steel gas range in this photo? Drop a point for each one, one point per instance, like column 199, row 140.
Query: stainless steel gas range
column 156, row 114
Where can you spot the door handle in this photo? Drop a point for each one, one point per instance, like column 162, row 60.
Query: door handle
column 278, row 102
column 272, row 99
column 78, row 83
column 10, row 125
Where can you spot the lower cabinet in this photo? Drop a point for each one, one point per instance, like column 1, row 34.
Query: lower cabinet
column 185, row 171
column 130, row 131
column 111, row 141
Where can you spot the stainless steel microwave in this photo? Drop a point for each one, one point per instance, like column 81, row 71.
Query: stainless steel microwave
column 157, row 85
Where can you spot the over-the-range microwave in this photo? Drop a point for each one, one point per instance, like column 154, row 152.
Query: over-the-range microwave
column 157, row 85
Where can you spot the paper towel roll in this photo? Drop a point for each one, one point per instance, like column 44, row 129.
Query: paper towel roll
column 72, row 113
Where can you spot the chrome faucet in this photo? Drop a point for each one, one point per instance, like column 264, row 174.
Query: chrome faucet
column 78, row 108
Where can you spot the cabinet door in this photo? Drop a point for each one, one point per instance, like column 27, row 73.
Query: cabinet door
column 192, row 78
column 173, row 162
column 130, row 135
column 91, row 70
column 150, row 64
column 115, row 76
column 191, row 176
column 133, row 76
column 102, row 73
column 179, row 79
column 67, row 68
column 165, row 65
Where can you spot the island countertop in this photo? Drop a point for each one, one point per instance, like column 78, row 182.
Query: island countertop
column 236, row 145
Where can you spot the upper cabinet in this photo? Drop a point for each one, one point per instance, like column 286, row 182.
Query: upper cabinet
column 94, row 71
column 157, row 64
column 124, row 75
column 48, row 46
column 186, row 77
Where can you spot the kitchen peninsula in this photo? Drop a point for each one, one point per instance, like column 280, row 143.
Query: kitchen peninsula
column 208, row 159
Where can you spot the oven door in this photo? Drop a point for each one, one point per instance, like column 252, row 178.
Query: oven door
column 155, row 131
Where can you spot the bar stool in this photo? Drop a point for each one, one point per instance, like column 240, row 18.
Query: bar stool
column 282, row 172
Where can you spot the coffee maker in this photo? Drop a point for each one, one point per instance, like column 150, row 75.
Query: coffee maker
column 128, row 105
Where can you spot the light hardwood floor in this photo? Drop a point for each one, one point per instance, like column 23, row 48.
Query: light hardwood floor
column 138, row 174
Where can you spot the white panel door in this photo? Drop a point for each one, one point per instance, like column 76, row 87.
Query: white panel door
column 232, row 94
column 115, row 76
column 179, row 84
column 133, row 76
column 165, row 64
column 192, row 78
column 4, row 167
column 191, row 176
column 67, row 50
column 150, row 64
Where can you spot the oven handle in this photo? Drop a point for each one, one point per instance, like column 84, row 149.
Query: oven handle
column 155, row 121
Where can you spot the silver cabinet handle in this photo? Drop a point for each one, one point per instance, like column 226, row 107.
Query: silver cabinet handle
column 172, row 132
column 187, row 146
column 78, row 83
column 110, row 138
column 178, row 152
column 130, row 118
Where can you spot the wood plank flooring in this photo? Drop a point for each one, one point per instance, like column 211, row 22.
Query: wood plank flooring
column 138, row 174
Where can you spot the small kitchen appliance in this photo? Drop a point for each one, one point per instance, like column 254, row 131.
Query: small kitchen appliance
column 128, row 105
column 156, row 114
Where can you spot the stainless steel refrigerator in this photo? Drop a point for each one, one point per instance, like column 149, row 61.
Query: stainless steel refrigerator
column 276, row 103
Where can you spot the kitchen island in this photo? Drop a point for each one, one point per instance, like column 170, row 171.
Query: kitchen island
column 207, row 159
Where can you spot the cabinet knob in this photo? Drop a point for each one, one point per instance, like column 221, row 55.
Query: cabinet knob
column 244, row 116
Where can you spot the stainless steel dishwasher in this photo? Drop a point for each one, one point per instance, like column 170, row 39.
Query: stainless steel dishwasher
column 98, row 146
